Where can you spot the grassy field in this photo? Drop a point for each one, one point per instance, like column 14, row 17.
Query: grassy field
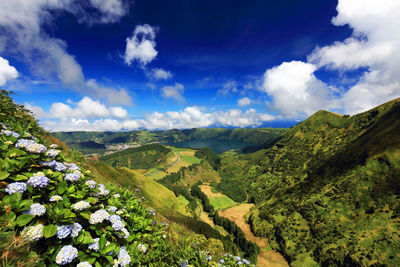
column 163, row 200
column 217, row 200
column 186, row 158
column 183, row 200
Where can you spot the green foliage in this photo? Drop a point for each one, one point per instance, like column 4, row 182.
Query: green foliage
column 144, row 157
column 209, row 155
column 196, row 192
column 16, row 116
column 232, row 182
column 250, row 249
column 44, row 197
column 326, row 192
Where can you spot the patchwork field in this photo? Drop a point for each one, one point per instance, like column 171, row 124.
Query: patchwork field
column 217, row 200
column 267, row 257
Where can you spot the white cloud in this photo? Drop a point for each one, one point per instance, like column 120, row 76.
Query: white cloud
column 295, row 89
column 111, row 10
column 37, row 111
column 141, row 46
column 159, row 74
column 245, row 101
column 375, row 45
column 87, row 108
column 24, row 23
column 7, row 72
column 114, row 96
column 227, row 88
column 119, row 112
column 235, row 118
column 175, row 92
column 63, row 117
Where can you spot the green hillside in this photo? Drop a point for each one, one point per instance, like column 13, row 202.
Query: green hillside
column 54, row 211
column 144, row 157
column 328, row 191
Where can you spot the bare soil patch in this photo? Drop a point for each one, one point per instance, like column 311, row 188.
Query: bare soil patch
column 206, row 189
column 267, row 258
column 204, row 217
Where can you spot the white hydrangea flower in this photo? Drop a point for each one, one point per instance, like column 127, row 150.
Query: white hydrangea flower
column 81, row 205
column 66, row 255
column 33, row 233
column 56, row 198
column 99, row 216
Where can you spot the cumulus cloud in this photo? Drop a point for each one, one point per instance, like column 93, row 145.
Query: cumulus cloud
column 295, row 89
column 141, row 46
column 227, row 88
column 236, row 118
column 374, row 46
column 87, row 108
column 175, row 92
column 159, row 74
column 245, row 101
column 7, row 72
column 63, row 117
column 23, row 23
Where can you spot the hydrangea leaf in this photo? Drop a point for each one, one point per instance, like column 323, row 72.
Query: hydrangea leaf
column 24, row 219
column 49, row 230
column 4, row 175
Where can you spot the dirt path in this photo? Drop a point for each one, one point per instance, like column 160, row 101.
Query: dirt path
column 267, row 258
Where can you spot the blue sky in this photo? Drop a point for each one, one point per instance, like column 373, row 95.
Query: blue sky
column 124, row 65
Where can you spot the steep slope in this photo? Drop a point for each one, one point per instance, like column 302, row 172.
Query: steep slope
column 328, row 192
column 56, row 212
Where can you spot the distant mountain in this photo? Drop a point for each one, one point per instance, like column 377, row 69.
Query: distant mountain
column 78, row 140
column 328, row 191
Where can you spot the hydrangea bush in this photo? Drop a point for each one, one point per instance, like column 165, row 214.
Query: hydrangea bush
column 71, row 220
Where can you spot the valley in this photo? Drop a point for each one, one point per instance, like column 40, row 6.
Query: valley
column 267, row 256
column 289, row 182
column 322, row 193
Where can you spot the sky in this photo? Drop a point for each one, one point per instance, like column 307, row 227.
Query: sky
column 111, row 65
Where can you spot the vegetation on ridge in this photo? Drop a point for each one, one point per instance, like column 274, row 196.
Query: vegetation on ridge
column 68, row 219
column 328, row 191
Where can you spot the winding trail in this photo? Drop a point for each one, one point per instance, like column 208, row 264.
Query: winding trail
column 168, row 166
column 267, row 258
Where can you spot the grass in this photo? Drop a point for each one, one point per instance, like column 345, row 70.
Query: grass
column 160, row 197
column 164, row 199
column 218, row 200
column 222, row 203
column 191, row 160
column 183, row 199
column 187, row 158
